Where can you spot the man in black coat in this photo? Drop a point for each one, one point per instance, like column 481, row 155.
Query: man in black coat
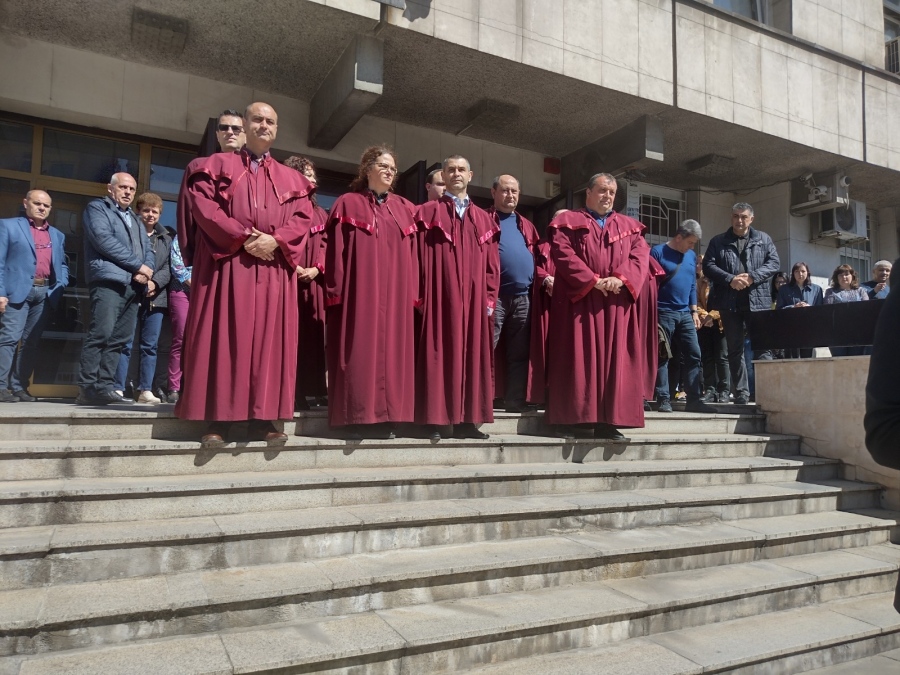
column 882, row 421
column 740, row 263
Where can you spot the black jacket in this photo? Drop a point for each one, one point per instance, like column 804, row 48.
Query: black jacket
column 882, row 421
column 721, row 265
column 161, row 244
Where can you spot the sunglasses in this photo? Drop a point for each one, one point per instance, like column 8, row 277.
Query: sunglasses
column 236, row 128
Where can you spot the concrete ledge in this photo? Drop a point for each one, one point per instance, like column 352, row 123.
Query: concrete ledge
column 824, row 402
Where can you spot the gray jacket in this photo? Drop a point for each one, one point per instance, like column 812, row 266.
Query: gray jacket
column 721, row 264
column 108, row 253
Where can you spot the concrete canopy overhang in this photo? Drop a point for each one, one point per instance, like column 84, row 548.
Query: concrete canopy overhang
column 288, row 47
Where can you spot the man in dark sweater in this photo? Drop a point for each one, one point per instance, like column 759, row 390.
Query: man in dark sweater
column 677, row 315
column 512, row 316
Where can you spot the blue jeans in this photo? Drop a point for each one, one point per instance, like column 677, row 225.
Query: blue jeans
column 113, row 315
column 23, row 321
column 150, row 320
column 682, row 334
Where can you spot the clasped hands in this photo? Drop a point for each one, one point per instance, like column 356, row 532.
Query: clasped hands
column 307, row 274
column 261, row 245
column 143, row 275
column 741, row 281
column 609, row 285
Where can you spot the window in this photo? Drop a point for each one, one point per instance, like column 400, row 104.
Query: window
column 774, row 13
column 892, row 36
column 660, row 209
column 87, row 158
column 16, row 141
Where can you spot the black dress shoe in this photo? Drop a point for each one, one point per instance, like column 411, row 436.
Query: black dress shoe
column 582, row 431
column 434, row 433
column 521, row 408
column 468, row 430
column 24, row 396
column 608, row 432
column 109, row 396
column 6, row 396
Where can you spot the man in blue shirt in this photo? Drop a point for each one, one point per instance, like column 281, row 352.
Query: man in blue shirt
column 677, row 315
column 512, row 315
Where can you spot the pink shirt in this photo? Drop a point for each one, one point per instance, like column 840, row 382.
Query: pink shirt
column 44, row 249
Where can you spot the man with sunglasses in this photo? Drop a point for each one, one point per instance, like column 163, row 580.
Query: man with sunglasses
column 250, row 218
column 33, row 274
column 230, row 131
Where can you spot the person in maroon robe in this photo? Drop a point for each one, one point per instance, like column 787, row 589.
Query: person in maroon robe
column 459, row 281
column 231, row 138
column 598, row 342
column 251, row 217
column 541, row 298
column 311, row 287
column 371, row 286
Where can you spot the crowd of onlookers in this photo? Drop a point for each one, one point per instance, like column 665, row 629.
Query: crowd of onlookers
column 788, row 291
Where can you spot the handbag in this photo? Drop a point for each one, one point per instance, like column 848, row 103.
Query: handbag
column 665, row 349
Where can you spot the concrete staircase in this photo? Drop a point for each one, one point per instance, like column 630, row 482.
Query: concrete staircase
column 703, row 544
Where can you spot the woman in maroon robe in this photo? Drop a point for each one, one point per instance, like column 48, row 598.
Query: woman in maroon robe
column 370, row 291
column 311, row 285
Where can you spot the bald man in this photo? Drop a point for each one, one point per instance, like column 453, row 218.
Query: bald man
column 119, row 264
column 33, row 274
column 250, row 218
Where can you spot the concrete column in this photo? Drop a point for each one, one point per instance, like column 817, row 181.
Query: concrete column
column 352, row 86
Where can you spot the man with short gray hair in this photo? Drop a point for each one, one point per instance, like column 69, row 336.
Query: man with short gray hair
column 677, row 314
column 879, row 287
column 740, row 263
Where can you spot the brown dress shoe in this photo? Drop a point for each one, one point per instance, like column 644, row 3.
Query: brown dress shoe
column 215, row 435
column 260, row 430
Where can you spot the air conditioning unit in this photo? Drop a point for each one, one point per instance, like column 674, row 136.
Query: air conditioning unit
column 844, row 223
column 892, row 56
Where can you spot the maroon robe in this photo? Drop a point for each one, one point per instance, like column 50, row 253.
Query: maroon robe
column 371, row 283
column 540, row 324
column 311, row 346
column 598, row 344
column 530, row 234
column 647, row 316
column 240, row 342
column 459, row 281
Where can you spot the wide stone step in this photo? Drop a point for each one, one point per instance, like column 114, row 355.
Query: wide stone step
column 80, row 615
column 90, row 459
column 61, row 421
column 887, row 663
column 62, row 554
column 714, row 609
column 27, row 503
column 783, row 643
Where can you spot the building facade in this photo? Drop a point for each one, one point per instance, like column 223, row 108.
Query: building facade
column 790, row 105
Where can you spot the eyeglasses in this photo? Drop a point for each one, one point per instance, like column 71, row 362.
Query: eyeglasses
column 381, row 166
column 236, row 128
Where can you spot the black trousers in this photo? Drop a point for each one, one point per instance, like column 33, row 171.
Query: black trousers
column 114, row 310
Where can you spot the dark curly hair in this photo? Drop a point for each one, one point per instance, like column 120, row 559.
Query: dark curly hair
column 369, row 157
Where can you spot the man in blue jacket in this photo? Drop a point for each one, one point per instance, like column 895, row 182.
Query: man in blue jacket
column 119, row 264
column 33, row 274
column 740, row 263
